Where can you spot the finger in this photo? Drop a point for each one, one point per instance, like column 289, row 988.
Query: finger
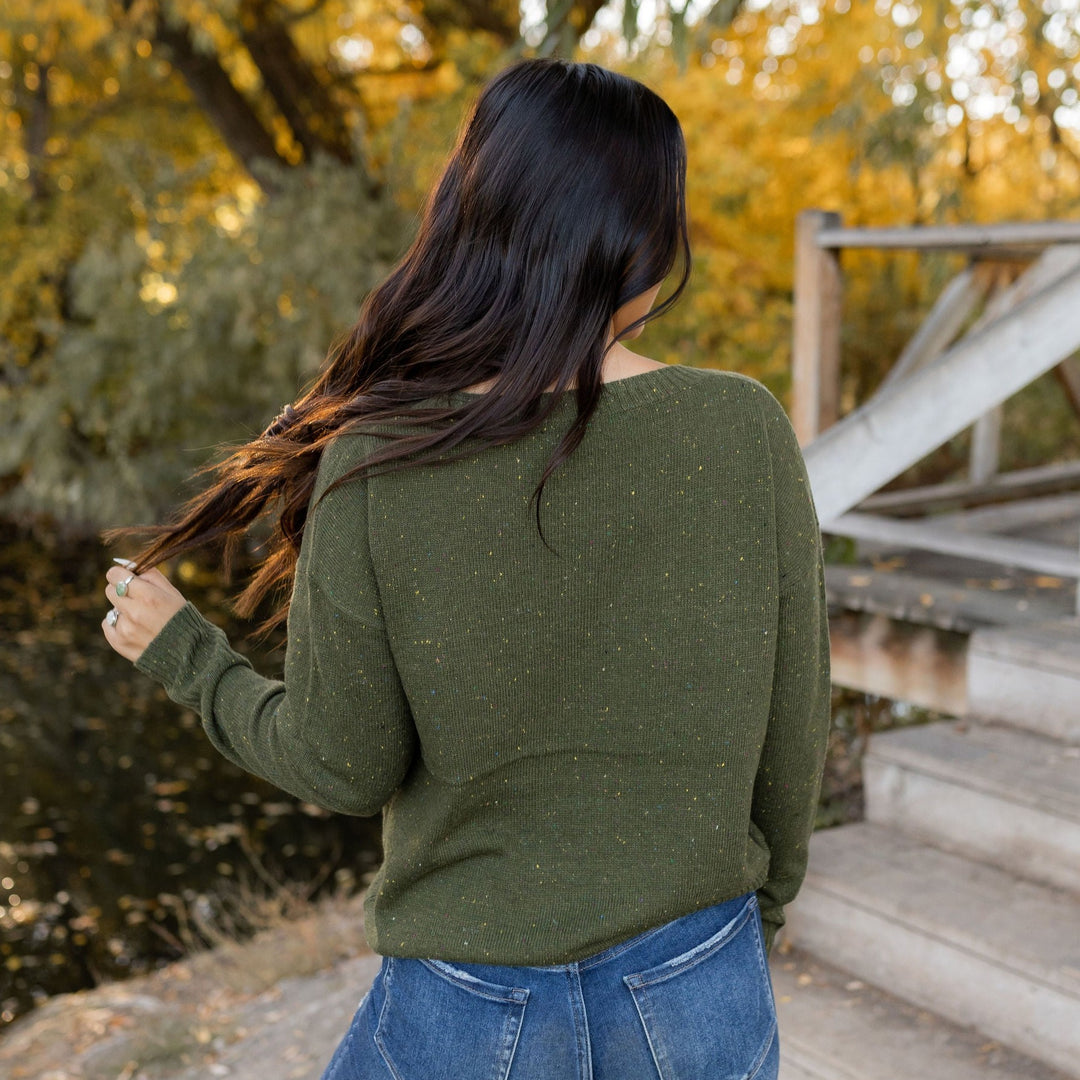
column 132, row 583
column 117, row 637
column 153, row 576
column 129, row 621
column 134, row 589
column 116, row 600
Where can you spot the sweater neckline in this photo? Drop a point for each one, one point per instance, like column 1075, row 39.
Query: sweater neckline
column 645, row 386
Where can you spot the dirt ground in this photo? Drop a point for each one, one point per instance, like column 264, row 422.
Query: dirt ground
column 273, row 1007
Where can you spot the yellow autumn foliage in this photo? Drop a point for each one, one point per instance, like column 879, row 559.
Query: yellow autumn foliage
column 771, row 132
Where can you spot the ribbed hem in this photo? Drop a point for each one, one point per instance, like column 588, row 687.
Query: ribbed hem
column 588, row 922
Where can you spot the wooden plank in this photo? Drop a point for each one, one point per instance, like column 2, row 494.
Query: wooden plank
column 1005, row 292
column 932, row 601
column 1010, row 289
column 985, row 446
column 918, row 664
column 1029, row 676
column 1017, row 484
column 990, row 792
column 1053, row 645
column 952, row 935
column 957, row 301
column 1004, row 288
column 1009, row 517
column 816, row 345
column 1009, row 235
column 1015, row 769
column 884, row 437
column 1006, row 550
column 835, row 1029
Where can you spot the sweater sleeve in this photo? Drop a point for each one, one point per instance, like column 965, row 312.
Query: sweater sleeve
column 337, row 730
column 787, row 786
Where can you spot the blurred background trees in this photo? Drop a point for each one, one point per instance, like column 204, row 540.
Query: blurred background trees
column 195, row 196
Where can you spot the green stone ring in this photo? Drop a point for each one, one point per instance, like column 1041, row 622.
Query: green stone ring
column 122, row 586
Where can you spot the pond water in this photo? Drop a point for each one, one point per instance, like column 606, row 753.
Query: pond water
column 117, row 816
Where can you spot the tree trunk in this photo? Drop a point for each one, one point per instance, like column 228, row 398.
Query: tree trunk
column 226, row 107
column 37, row 133
column 499, row 20
column 315, row 118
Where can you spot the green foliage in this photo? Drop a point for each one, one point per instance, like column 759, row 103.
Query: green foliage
column 152, row 361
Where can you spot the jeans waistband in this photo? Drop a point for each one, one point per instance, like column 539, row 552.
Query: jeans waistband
column 687, row 929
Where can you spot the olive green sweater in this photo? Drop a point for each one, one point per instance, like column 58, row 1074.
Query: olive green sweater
column 568, row 746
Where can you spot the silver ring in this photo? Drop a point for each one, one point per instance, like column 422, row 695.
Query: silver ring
column 122, row 586
column 113, row 616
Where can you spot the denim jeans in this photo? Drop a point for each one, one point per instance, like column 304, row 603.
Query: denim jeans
column 689, row 1000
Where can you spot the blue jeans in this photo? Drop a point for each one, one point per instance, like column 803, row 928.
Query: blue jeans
column 689, row 1000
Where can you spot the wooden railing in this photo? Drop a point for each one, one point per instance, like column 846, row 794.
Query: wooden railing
column 1026, row 277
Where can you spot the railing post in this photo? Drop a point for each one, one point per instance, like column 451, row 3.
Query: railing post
column 985, row 446
column 818, row 297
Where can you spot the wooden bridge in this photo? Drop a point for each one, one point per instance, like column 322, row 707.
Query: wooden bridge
column 956, row 901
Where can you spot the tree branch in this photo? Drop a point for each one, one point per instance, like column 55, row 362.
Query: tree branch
column 501, row 20
column 228, row 110
column 291, row 17
column 37, row 132
column 315, row 118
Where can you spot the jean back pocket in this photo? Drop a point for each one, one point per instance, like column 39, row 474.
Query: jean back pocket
column 710, row 1011
column 438, row 1021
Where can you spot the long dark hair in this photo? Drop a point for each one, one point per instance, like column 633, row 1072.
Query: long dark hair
column 563, row 198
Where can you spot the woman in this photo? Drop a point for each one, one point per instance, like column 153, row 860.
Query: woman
column 596, row 740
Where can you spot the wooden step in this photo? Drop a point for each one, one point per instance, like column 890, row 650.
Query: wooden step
column 937, row 600
column 1028, row 675
column 966, row 940
column 990, row 792
column 835, row 1027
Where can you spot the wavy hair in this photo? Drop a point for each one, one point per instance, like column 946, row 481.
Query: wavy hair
column 562, row 199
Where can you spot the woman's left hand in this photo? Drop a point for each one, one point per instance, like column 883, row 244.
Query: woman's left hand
column 150, row 600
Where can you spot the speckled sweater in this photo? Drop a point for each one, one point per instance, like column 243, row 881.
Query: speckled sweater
column 568, row 746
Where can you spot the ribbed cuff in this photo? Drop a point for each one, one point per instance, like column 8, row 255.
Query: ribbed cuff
column 171, row 647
